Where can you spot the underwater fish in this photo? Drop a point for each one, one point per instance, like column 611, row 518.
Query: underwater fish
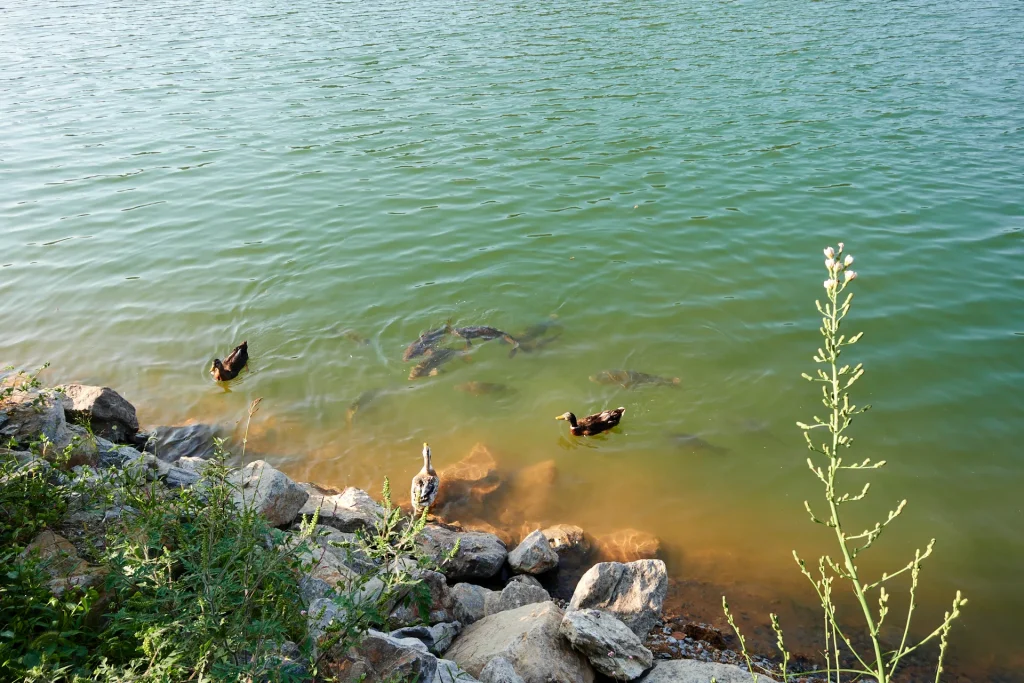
column 426, row 342
column 430, row 366
column 482, row 388
column 540, row 329
column 354, row 337
column 483, row 332
column 364, row 399
column 630, row 379
column 695, row 443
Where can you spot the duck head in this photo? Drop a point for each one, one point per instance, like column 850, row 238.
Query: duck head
column 569, row 417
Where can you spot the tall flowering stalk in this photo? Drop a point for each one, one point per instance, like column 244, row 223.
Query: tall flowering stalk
column 836, row 379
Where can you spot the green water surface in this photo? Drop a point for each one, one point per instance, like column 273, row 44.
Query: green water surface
column 656, row 180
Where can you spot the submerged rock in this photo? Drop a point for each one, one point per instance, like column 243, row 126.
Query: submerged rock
column 611, row 647
column 568, row 541
column 528, row 638
column 269, row 491
column 633, row 592
column 467, row 484
column 533, row 556
column 628, row 545
column 109, row 415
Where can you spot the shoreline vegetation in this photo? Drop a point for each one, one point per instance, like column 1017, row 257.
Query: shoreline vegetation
column 163, row 556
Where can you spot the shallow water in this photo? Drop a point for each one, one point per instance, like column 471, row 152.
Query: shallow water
column 661, row 177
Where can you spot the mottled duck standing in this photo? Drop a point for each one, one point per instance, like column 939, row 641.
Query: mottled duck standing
column 425, row 485
column 592, row 424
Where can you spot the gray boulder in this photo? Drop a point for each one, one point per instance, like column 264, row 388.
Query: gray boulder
column 694, row 671
column 269, row 491
column 379, row 657
column 176, row 477
column 528, row 638
column 528, row 579
column 26, row 417
column 450, row 672
column 517, row 594
column 437, row 638
column 611, row 647
column 499, row 670
column 439, row 608
column 633, row 592
column 108, row 414
column 469, row 602
column 114, row 455
column 480, row 555
column 188, row 441
column 349, row 511
column 533, row 556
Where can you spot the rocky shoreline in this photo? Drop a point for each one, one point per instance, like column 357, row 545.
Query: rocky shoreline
column 512, row 602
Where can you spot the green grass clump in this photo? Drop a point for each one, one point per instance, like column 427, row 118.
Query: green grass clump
column 191, row 587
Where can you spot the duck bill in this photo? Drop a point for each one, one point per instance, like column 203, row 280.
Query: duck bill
column 560, row 417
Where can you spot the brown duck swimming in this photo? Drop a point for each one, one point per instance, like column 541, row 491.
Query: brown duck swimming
column 592, row 424
column 232, row 365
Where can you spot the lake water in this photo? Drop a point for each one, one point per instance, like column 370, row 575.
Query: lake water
column 660, row 177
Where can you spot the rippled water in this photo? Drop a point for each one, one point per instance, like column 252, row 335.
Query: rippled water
column 660, row 176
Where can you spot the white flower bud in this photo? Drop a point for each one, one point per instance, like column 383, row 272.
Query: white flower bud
column 850, row 275
column 829, row 262
column 848, row 260
column 830, row 252
column 830, row 283
column 840, row 247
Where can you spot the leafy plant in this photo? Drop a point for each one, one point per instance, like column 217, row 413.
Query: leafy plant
column 836, row 379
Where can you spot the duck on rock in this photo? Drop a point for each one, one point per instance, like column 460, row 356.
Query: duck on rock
column 592, row 424
column 232, row 365
column 425, row 485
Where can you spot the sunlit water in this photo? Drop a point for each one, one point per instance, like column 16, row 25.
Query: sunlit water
column 661, row 177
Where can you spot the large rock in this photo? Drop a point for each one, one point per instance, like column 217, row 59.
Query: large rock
column 693, row 671
column 439, row 608
column 349, row 511
column 500, row 670
column 176, row 477
column 531, row 492
column 480, row 555
column 633, row 592
column 379, row 657
column 437, row 638
column 627, row 545
column 469, row 602
column 610, row 646
column 270, row 491
column 188, row 441
column 344, row 546
column 450, row 672
column 533, row 556
column 515, row 595
column 108, row 414
column 60, row 560
column 114, row 455
column 27, row 416
column 528, row 638
column 466, row 484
